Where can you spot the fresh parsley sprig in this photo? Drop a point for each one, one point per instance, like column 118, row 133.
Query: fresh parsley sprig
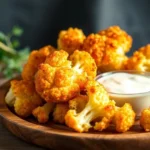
column 12, row 58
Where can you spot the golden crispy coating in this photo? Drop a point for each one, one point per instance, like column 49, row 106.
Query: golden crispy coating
column 117, row 37
column 145, row 119
column 60, row 112
column 107, row 115
column 124, row 118
column 70, row 39
column 95, row 45
column 55, row 85
column 59, row 79
column 42, row 112
column 112, row 61
column 98, row 99
column 36, row 57
column 140, row 60
column 26, row 98
column 85, row 61
column 108, row 48
column 58, row 59
column 78, row 103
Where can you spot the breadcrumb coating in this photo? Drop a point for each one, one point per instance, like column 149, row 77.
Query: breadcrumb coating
column 124, row 118
column 98, row 99
column 36, row 57
column 145, row 119
column 60, row 112
column 59, row 79
column 140, row 60
column 41, row 113
column 108, row 48
column 70, row 39
column 25, row 95
column 117, row 37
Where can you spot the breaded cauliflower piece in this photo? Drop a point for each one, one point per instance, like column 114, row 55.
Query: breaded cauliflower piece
column 140, row 60
column 42, row 112
column 60, row 112
column 78, row 103
column 95, row 45
column 56, row 85
column 145, row 119
column 118, row 37
column 23, row 96
column 124, row 118
column 36, row 57
column 70, row 39
column 59, row 80
column 98, row 99
column 107, row 114
column 84, row 60
column 108, row 48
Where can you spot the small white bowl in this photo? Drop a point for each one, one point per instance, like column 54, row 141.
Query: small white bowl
column 138, row 100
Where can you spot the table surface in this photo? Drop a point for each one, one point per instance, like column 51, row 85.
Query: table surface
column 8, row 141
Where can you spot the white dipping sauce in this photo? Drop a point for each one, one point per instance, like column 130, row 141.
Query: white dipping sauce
column 125, row 83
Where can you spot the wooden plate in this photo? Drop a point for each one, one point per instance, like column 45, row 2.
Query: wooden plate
column 57, row 136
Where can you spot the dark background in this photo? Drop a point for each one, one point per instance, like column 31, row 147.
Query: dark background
column 43, row 19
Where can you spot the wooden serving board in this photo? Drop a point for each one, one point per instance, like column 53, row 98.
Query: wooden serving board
column 55, row 136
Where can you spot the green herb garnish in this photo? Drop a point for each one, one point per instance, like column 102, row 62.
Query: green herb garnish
column 12, row 58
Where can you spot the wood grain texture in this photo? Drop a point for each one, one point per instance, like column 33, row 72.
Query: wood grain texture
column 56, row 136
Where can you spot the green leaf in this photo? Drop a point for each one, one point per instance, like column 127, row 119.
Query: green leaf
column 17, row 31
column 2, row 36
column 15, row 43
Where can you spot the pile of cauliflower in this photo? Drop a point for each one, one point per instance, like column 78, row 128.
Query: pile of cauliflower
column 59, row 83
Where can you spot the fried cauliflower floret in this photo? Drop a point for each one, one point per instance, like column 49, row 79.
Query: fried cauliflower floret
column 42, row 112
column 70, row 39
column 36, row 57
column 124, row 118
column 145, row 119
column 106, row 116
column 108, row 48
column 60, row 80
column 60, row 112
column 112, row 61
column 56, row 85
column 95, row 45
column 23, row 97
column 85, row 61
column 78, row 103
column 140, row 60
column 98, row 99
column 118, row 37
column 58, row 59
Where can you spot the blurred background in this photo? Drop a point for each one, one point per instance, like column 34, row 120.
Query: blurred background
column 43, row 19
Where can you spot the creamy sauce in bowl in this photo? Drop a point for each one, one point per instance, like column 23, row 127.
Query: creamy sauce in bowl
column 125, row 83
column 128, row 87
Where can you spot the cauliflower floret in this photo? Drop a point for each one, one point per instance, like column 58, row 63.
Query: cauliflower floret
column 106, row 116
column 36, row 57
column 145, row 119
column 56, row 85
column 42, row 112
column 86, row 63
column 124, row 118
column 59, row 80
column 118, row 37
column 23, row 97
column 98, row 99
column 78, row 103
column 140, row 60
column 70, row 39
column 108, row 48
column 95, row 45
column 60, row 112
